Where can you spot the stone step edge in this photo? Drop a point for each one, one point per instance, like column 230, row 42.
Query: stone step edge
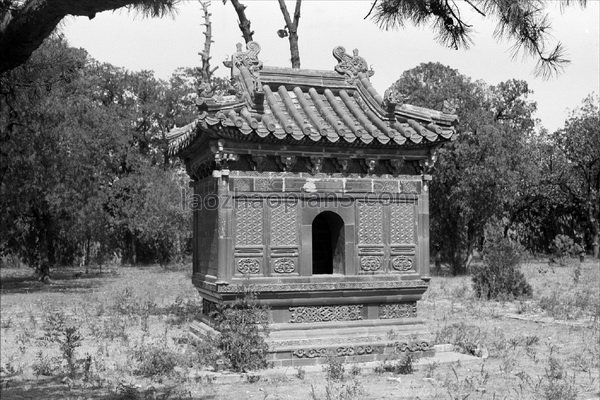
column 367, row 368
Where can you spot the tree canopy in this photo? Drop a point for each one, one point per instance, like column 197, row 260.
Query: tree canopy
column 85, row 168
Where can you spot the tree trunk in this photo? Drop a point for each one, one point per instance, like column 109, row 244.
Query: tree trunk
column 292, row 27
column 294, row 50
column 24, row 29
column 205, row 54
column 244, row 22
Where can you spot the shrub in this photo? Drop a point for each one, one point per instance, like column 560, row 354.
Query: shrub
column 558, row 385
column 334, row 368
column 499, row 275
column 402, row 365
column 59, row 330
column 44, row 365
column 243, row 327
column 563, row 247
column 155, row 360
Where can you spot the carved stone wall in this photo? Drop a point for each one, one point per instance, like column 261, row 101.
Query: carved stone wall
column 398, row 310
column 249, row 223
column 402, row 223
column 284, row 225
column 370, row 223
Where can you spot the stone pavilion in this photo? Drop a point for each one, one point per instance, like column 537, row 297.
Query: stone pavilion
column 312, row 189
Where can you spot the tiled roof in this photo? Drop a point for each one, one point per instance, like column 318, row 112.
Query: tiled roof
column 338, row 107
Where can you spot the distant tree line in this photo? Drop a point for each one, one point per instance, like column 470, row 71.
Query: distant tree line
column 502, row 168
column 85, row 173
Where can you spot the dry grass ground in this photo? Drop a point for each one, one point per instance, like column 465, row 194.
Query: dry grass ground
column 132, row 323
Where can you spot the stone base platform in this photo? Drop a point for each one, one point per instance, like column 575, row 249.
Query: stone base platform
column 296, row 345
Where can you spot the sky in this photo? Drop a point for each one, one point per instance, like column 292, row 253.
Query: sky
column 128, row 40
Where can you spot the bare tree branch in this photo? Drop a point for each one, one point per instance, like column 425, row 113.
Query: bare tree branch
column 244, row 22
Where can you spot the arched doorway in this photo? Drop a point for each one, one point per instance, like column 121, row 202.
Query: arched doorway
column 328, row 244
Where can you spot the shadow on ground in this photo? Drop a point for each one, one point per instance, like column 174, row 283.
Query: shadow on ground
column 49, row 389
column 56, row 389
column 60, row 281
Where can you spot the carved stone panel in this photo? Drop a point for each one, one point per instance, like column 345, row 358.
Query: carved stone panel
column 370, row 263
column 249, row 224
column 402, row 263
column 284, row 230
column 338, row 351
column 370, row 223
column 325, row 313
column 284, row 265
column 248, row 266
column 398, row 310
column 402, row 223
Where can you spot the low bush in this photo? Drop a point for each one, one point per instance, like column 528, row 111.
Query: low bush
column 558, row 386
column 403, row 365
column 45, row 365
column 58, row 329
column 334, row 368
column 564, row 247
column 155, row 360
column 499, row 276
column 243, row 327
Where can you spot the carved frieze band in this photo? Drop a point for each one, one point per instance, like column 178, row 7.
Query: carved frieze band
column 250, row 266
column 398, row 310
column 402, row 223
column 284, row 265
column 249, row 224
column 413, row 346
column 286, row 287
column 325, row 313
column 339, row 351
column 370, row 263
column 399, row 347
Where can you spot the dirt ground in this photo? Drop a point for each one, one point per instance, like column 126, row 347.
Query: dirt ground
column 545, row 347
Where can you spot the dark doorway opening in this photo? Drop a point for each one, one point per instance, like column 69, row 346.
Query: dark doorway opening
column 328, row 243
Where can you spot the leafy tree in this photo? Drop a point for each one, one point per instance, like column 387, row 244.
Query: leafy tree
column 85, row 163
column 525, row 23
column 579, row 143
column 481, row 174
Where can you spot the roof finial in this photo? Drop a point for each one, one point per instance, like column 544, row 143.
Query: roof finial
column 351, row 66
column 248, row 59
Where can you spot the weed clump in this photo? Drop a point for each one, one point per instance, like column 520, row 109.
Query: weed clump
column 334, row 368
column 401, row 366
column 243, row 327
column 155, row 360
column 468, row 339
column 558, row 385
column 499, row 277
